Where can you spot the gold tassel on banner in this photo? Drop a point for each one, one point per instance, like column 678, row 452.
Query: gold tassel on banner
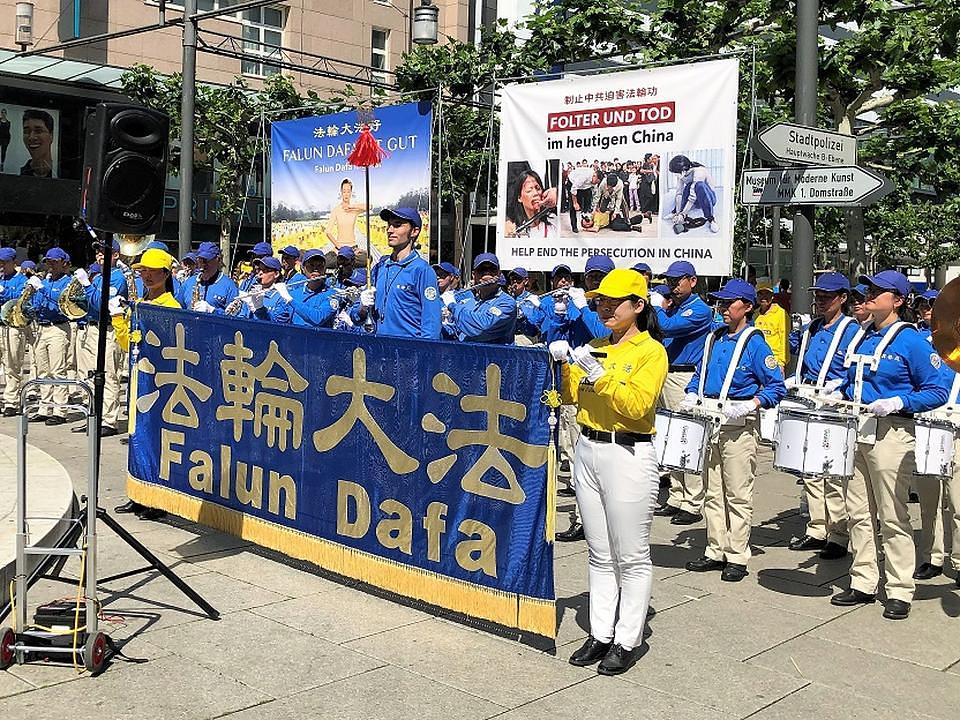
column 503, row 608
column 551, row 398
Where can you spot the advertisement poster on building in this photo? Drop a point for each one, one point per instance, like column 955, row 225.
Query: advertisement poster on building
column 638, row 164
column 29, row 141
column 318, row 198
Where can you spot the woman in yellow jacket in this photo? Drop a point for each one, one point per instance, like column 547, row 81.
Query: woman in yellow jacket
column 615, row 383
column 156, row 271
column 772, row 320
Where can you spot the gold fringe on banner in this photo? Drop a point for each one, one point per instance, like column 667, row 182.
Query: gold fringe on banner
column 497, row 606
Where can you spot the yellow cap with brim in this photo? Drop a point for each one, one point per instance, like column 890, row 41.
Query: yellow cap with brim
column 621, row 283
column 154, row 259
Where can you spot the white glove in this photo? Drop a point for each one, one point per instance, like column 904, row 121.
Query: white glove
column 203, row 306
column 588, row 363
column 115, row 306
column 689, row 402
column 368, row 297
column 656, row 299
column 254, row 302
column 448, row 298
column 559, row 349
column 35, row 282
column 578, row 297
column 736, row 409
column 790, row 381
column 81, row 275
column 885, row 406
column 533, row 300
column 283, row 292
column 832, row 385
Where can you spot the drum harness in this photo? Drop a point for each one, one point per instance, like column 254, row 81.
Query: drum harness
column 867, row 430
column 738, row 351
column 842, row 325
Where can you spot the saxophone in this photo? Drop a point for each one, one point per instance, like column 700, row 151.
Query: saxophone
column 196, row 289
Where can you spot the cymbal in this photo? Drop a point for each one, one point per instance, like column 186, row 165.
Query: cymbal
column 945, row 324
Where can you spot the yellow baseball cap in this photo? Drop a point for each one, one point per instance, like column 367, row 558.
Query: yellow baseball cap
column 154, row 259
column 620, row 283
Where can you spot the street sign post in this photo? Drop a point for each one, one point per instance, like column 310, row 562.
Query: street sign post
column 836, row 186
column 790, row 144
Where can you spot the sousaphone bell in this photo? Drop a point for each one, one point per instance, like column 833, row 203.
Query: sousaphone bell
column 945, row 324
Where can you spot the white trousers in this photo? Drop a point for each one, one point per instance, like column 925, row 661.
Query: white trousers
column 617, row 491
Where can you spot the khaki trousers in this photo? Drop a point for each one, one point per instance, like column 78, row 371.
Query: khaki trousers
column 878, row 492
column 87, row 363
column 828, row 510
column 728, row 498
column 13, row 349
column 75, row 341
column 933, row 491
column 686, row 490
column 568, row 434
column 50, row 353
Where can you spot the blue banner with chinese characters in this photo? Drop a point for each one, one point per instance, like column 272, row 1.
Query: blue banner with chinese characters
column 416, row 466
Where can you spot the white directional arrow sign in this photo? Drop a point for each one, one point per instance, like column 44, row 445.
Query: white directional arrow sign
column 850, row 185
column 789, row 144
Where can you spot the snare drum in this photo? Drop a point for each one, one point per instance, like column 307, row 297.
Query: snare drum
column 816, row 443
column 934, row 447
column 681, row 441
column 770, row 417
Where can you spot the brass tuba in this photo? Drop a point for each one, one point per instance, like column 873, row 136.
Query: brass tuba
column 73, row 301
column 17, row 313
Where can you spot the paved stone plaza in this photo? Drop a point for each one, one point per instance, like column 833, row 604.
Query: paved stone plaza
column 295, row 645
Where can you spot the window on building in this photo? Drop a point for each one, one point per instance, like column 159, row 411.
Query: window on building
column 380, row 54
column 262, row 36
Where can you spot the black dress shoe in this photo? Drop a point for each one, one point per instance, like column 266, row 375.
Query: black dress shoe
column 130, row 507
column 807, row 543
column 564, row 467
column 896, row 610
column 686, row 518
column 79, row 429
column 55, row 420
column 734, row 573
column 851, row 597
column 705, row 564
column 666, row 510
column 590, row 652
column 926, row 571
column 571, row 534
column 107, row 431
column 151, row 514
column 567, row 492
column 618, row 660
column 9, row 411
column 832, row 551
column 39, row 418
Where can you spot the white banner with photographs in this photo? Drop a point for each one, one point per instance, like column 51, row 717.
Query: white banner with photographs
column 639, row 165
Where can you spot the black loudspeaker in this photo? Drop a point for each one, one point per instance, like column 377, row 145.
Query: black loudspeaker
column 124, row 169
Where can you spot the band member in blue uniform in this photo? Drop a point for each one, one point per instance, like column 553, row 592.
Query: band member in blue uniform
column 264, row 302
column 553, row 308
column 52, row 342
column 313, row 303
column 740, row 372
column 485, row 314
column 684, row 325
column 585, row 323
column 404, row 297
column 528, row 314
column 257, row 252
column 289, row 258
column 210, row 289
column 13, row 341
column 820, row 348
column 894, row 372
column 346, row 264
column 448, row 276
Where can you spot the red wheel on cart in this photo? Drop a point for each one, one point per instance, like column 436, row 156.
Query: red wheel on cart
column 95, row 652
column 7, row 652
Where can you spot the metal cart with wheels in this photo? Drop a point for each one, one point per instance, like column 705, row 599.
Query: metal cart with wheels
column 84, row 645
